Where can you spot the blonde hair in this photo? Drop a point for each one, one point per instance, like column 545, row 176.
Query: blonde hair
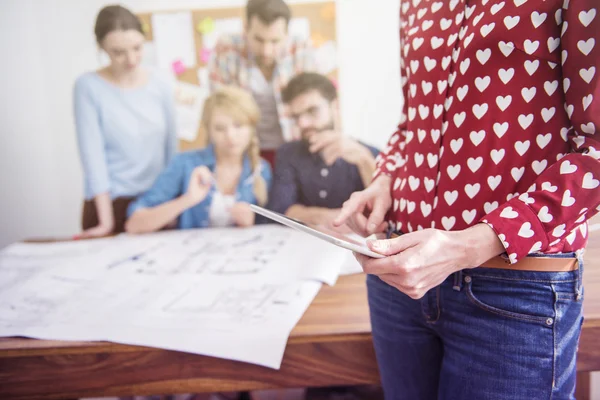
column 240, row 105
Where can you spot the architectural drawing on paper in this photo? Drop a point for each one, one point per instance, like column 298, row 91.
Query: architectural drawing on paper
column 202, row 254
column 235, row 304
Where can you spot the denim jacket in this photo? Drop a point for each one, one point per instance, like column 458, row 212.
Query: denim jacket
column 174, row 181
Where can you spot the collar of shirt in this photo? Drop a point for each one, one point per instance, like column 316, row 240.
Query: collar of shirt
column 209, row 158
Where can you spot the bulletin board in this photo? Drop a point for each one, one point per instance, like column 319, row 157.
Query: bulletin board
column 321, row 17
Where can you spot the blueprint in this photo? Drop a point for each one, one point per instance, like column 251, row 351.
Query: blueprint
column 226, row 292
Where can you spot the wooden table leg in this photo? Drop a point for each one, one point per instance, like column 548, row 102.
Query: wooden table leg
column 584, row 385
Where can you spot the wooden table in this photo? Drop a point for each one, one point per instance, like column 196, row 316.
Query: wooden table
column 331, row 345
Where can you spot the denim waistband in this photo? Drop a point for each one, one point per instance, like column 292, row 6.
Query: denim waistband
column 509, row 274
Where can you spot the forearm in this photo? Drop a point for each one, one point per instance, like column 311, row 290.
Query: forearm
column 104, row 210
column 312, row 215
column 480, row 244
column 153, row 219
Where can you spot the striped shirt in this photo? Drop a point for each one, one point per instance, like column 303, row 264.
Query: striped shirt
column 269, row 130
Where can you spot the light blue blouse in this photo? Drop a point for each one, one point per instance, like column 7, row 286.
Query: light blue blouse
column 126, row 137
column 174, row 182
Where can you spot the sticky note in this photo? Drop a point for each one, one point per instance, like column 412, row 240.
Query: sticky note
column 207, row 25
column 205, row 55
column 203, row 75
column 145, row 28
column 178, row 67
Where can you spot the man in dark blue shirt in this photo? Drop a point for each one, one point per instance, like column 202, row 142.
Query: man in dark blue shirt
column 315, row 175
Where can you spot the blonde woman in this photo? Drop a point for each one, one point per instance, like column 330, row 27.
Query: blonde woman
column 213, row 186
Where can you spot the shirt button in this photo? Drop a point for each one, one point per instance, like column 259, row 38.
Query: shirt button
column 324, row 172
column 323, row 194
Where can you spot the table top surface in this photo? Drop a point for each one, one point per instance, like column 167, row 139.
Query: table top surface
column 338, row 310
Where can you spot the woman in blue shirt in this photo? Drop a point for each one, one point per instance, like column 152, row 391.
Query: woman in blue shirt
column 214, row 185
column 124, row 118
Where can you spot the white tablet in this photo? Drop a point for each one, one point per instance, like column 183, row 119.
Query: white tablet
column 351, row 242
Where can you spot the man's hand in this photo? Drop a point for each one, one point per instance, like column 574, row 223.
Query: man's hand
column 333, row 145
column 419, row 261
column 364, row 211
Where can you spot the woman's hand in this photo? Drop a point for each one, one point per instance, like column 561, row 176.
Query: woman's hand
column 364, row 211
column 242, row 214
column 97, row 231
column 199, row 185
column 421, row 260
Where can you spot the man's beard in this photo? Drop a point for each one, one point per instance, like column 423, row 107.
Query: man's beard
column 315, row 131
column 262, row 62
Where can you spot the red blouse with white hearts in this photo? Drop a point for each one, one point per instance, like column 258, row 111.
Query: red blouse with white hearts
column 500, row 121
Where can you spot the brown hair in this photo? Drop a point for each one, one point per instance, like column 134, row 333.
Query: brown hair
column 242, row 107
column 112, row 18
column 268, row 11
column 306, row 82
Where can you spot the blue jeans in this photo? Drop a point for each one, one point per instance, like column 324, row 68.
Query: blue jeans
column 482, row 334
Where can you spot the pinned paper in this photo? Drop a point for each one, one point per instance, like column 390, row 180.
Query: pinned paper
column 178, row 67
column 189, row 101
column 174, row 39
column 145, row 28
column 149, row 57
column 328, row 12
column 205, row 56
column 222, row 27
column 203, row 77
column 205, row 26
column 299, row 28
column 326, row 56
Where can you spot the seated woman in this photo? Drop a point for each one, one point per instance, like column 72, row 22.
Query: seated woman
column 212, row 186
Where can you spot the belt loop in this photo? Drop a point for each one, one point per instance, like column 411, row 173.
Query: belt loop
column 579, row 289
column 458, row 281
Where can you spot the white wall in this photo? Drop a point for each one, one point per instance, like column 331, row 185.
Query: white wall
column 46, row 44
column 29, row 203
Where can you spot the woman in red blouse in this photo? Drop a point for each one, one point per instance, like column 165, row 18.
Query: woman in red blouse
column 491, row 176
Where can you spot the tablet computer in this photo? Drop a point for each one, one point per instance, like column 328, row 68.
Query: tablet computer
column 348, row 241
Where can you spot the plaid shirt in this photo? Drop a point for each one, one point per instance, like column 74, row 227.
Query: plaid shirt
column 231, row 62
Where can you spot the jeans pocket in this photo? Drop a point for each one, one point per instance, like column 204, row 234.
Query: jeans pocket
column 525, row 301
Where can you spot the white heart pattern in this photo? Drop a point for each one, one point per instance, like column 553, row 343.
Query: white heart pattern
column 525, row 231
column 483, row 97
column 544, row 215
column 509, row 213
